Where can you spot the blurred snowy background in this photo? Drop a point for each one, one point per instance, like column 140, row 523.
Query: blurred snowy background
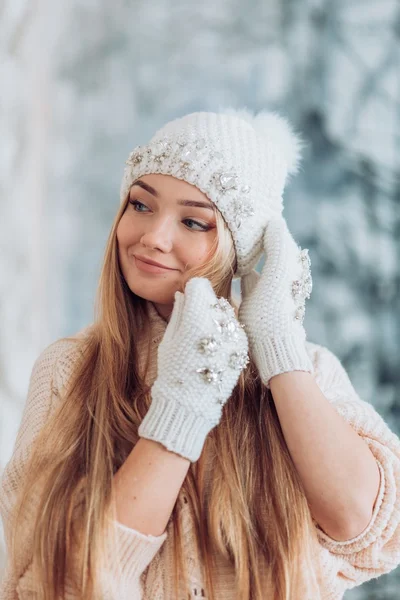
column 83, row 82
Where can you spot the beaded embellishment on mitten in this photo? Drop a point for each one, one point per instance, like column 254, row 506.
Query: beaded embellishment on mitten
column 200, row 358
column 302, row 288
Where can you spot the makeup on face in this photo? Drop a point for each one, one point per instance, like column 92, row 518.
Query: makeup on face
column 167, row 222
column 192, row 203
column 147, row 268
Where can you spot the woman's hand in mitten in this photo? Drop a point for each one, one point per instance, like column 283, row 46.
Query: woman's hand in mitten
column 273, row 305
column 200, row 358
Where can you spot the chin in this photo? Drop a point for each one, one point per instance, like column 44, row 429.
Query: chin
column 157, row 290
column 155, row 296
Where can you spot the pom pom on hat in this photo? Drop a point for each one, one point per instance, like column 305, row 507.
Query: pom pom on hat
column 276, row 130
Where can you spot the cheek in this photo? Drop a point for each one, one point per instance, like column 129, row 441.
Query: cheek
column 125, row 232
column 199, row 253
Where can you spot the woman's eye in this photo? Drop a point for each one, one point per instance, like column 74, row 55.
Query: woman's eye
column 136, row 203
column 203, row 227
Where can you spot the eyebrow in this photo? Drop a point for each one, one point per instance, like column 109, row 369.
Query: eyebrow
column 151, row 190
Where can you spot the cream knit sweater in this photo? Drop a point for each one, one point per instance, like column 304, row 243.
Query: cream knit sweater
column 145, row 562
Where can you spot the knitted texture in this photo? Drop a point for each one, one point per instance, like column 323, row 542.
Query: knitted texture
column 50, row 374
column 200, row 358
column 147, row 561
column 239, row 160
column 272, row 307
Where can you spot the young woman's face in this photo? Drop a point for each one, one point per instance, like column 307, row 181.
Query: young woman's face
column 168, row 221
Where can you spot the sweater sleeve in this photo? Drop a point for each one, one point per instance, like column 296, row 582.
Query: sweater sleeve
column 134, row 550
column 376, row 550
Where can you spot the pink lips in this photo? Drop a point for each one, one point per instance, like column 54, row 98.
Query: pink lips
column 148, row 268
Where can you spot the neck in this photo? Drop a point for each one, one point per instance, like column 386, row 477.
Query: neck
column 164, row 310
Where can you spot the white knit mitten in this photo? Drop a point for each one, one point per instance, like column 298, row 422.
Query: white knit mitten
column 272, row 307
column 200, row 358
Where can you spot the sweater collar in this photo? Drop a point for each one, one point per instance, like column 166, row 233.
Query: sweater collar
column 158, row 324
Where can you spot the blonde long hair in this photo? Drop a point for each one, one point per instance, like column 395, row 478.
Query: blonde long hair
column 256, row 514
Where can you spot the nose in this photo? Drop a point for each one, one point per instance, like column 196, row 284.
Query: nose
column 158, row 235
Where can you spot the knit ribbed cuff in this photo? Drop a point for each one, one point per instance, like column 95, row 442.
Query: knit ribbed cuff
column 129, row 552
column 176, row 427
column 136, row 550
column 274, row 356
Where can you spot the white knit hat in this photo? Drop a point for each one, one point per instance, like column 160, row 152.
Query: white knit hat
column 241, row 161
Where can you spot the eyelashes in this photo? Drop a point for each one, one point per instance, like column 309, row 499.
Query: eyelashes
column 203, row 227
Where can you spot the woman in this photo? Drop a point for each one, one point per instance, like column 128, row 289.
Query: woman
column 183, row 446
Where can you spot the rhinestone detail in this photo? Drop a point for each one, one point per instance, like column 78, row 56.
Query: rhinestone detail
column 209, row 345
column 302, row 287
column 191, row 155
column 299, row 314
column 135, row 157
column 228, row 328
column 226, row 181
column 239, row 210
column 211, row 375
column 239, row 360
column 225, row 306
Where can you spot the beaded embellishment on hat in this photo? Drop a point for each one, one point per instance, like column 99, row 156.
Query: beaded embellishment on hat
column 234, row 203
